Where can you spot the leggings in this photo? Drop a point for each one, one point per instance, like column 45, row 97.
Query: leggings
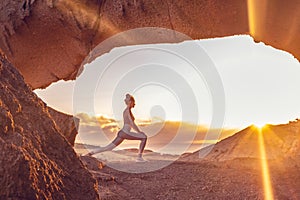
column 121, row 137
column 131, row 136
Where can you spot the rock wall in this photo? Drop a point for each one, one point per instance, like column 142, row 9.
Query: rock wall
column 36, row 161
column 66, row 124
column 47, row 40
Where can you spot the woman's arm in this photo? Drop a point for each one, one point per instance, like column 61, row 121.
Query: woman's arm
column 136, row 128
column 132, row 123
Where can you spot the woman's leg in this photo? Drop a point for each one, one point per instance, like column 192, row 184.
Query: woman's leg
column 136, row 136
column 116, row 142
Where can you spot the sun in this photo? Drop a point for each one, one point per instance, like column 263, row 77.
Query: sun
column 260, row 125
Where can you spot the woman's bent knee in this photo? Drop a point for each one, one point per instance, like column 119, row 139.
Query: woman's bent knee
column 145, row 137
column 120, row 134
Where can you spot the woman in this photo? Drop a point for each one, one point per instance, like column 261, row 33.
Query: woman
column 125, row 132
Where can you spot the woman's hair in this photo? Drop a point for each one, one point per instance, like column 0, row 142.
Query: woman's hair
column 129, row 98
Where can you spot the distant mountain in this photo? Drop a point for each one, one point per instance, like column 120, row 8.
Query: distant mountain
column 279, row 141
column 88, row 146
column 84, row 146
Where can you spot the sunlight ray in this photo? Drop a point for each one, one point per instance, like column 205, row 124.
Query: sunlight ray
column 293, row 29
column 272, row 134
column 268, row 192
column 87, row 16
column 245, row 138
column 256, row 15
column 107, row 24
column 279, row 163
column 83, row 14
column 251, row 17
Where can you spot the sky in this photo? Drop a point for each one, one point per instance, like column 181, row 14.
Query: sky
column 194, row 81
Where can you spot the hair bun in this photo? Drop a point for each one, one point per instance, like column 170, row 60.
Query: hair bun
column 129, row 98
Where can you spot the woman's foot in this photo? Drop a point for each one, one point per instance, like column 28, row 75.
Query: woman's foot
column 140, row 159
column 99, row 150
column 89, row 154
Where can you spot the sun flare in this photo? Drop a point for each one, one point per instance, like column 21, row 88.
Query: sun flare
column 251, row 17
column 268, row 190
column 260, row 125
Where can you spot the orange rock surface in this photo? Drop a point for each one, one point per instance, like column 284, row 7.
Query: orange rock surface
column 48, row 40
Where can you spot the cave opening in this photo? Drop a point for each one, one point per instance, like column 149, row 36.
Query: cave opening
column 260, row 85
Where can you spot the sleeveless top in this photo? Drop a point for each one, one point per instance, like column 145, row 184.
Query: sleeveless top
column 128, row 119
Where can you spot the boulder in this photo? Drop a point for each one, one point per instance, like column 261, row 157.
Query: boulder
column 65, row 124
column 36, row 161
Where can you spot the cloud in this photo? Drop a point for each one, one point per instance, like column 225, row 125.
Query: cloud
column 160, row 133
column 100, row 121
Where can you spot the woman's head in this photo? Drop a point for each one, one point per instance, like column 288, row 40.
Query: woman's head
column 129, row 100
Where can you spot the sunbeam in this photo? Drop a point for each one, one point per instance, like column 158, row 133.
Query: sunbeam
column 251, row 17
column 268, row 192
column 81, row 13
column 256, row 16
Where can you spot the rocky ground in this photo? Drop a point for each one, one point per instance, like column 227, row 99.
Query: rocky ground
column 234, row 179
column 232, row 170
column 183, row 180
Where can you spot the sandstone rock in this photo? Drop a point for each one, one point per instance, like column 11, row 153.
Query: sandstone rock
column 66, row 124
column 36, row 161
column 47, row 40
column 92, row 163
